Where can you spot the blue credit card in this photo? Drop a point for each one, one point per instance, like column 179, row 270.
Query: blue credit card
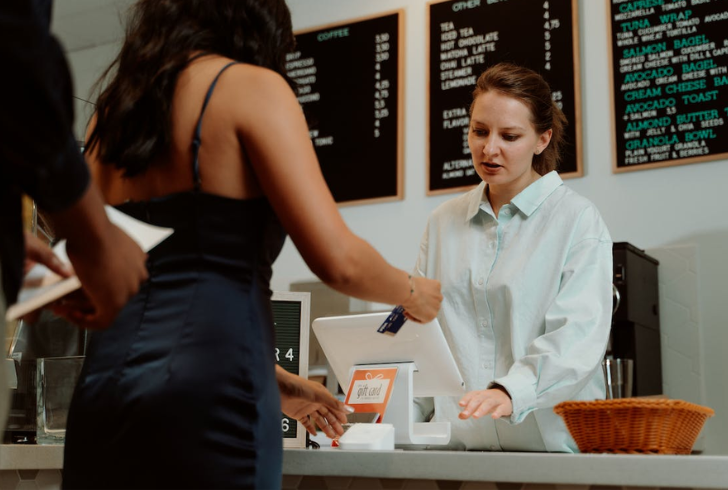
column 394, row 322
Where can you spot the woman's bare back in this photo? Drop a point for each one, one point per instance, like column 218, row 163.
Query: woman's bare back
column 224, row 169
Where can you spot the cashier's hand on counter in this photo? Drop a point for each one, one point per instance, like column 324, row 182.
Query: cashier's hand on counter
column 309, row 402
column 424, row 300
column 494, row 401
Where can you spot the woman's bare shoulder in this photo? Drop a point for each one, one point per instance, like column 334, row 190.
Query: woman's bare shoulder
column 237, row 77
column 246, row 78
column 253, row 93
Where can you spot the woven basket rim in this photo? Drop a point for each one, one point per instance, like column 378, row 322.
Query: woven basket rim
column 651, row 403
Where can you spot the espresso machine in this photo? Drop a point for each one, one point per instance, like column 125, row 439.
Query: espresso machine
column 636, row 319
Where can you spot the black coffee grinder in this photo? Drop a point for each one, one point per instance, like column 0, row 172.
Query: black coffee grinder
column 636, row 320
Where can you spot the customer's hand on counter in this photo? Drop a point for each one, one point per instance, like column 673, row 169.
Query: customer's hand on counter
column 424, row 300
column 494, row 401
column 309, row 402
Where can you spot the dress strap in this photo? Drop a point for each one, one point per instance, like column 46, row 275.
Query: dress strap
column 197, row 141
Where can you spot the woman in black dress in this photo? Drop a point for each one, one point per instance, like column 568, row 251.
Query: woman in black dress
column 199, row 130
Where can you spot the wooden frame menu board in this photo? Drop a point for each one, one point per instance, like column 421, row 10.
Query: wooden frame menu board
column 465, row 38
column 350, row 85
column 669, row 79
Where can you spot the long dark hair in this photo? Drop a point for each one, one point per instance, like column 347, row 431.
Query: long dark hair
column 133, row 125
column 530, row 88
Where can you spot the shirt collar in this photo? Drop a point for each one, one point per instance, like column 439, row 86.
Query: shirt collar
column 474, row 201
column 532, row 196
column 527, row 201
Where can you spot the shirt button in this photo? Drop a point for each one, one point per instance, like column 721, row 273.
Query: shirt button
column 480, row 281
column 483, row 324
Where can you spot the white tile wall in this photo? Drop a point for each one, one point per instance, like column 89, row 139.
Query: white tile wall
column 680, row 326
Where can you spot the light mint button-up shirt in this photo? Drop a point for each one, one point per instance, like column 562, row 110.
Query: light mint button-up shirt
column 527, row 305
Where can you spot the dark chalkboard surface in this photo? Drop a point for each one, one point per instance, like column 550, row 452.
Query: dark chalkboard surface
column 669, row 82
column 350, row 87
column 466, row 37
column 291, row 321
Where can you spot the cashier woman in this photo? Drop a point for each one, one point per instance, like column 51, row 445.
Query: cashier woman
column 526, row 270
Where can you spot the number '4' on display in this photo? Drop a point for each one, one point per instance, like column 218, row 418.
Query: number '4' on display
column 289, row 354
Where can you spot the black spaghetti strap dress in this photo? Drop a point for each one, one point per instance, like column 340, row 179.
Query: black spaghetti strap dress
column 180, row 392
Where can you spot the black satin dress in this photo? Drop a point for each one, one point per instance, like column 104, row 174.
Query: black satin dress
column 180, row 392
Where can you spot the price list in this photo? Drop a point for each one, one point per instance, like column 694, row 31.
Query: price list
column 466, row 37
column 381, row 84
column 669, row 82
column 349, row 86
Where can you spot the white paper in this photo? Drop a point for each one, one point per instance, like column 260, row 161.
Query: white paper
column 41, row 285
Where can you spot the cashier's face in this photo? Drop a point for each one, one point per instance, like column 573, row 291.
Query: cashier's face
column 503, row 141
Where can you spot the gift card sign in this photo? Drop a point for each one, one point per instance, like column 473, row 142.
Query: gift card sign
column 370, row 390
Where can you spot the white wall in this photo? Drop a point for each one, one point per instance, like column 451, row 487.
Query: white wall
column 651, row 209
column 87, row 65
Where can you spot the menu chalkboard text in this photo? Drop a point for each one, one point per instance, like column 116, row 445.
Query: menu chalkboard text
column 466, row 37
column 349, row 78
column 669, row 82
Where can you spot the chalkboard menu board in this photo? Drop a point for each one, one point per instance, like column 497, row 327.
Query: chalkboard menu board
column 350, row 83
column 466, row 37
column 291, row 321
column 669, row 82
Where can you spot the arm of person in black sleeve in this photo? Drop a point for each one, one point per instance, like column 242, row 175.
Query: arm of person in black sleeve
column 39, row 156
column 38, row 147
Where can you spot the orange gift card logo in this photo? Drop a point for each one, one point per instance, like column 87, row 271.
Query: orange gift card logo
column 370, row 390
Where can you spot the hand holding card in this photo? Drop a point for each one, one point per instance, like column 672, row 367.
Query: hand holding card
column 424, row 299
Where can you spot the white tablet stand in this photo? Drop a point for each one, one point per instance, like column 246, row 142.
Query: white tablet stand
column 426, row 367
column 400, row 410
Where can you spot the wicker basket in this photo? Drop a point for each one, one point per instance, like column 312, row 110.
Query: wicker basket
column 634, row 425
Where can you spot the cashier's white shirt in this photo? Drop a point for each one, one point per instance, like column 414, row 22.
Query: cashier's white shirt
column 527, row 304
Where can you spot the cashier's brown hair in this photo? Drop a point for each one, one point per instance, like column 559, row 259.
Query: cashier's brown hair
column 530, row 88
column 133, row 123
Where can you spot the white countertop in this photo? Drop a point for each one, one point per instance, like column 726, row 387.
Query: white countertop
column 677, row 471
column 667, row 471
column 30, row 457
